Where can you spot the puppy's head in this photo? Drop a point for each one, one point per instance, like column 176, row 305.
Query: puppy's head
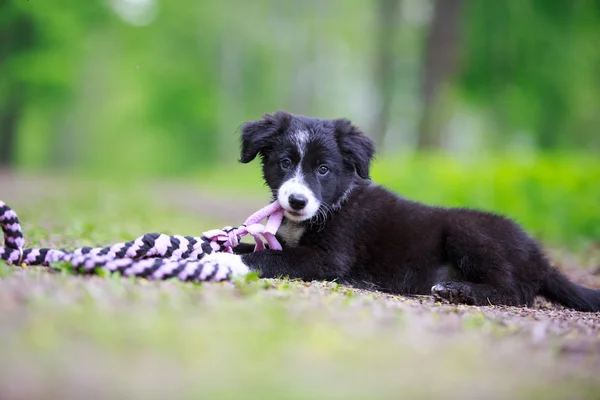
column 310, row 164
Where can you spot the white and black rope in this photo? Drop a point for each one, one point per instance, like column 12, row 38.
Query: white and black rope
column 151, row 256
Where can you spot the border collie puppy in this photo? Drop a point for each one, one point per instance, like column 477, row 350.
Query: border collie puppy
column 338, row 225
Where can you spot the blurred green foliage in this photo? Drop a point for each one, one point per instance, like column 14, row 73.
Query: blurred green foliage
column 534, row 64
column 157, row 87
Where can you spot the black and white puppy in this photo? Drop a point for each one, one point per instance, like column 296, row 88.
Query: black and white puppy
column 339, row 225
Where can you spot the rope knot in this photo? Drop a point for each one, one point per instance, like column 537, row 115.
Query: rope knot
column 232, row 238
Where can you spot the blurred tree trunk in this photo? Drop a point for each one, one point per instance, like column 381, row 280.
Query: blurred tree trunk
column 388, row 18
column 17, row 36
column 439, row 66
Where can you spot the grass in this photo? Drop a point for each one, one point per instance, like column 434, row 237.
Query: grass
column 66, row 336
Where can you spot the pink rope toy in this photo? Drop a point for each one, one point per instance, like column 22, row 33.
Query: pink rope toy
column 153, row 256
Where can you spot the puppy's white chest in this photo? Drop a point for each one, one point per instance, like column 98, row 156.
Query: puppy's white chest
column 291, row 233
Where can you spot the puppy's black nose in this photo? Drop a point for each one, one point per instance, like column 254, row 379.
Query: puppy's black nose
column 297, row 201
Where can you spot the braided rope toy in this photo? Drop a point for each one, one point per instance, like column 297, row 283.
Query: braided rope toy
column 153, row 256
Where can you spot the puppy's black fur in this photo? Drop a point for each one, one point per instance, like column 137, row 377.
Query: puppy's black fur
column 367, row 235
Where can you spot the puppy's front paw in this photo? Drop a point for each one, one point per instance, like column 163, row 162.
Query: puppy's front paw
column 453, row 292
column 219, row 266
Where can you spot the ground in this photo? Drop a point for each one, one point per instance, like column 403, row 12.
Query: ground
column 72, row 337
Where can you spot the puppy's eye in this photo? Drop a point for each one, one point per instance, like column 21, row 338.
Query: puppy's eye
column 323, row 169
column 285, row 163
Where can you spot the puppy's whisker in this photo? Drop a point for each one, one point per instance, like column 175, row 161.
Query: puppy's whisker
column 322, row 216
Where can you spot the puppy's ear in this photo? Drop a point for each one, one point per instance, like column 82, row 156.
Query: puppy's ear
column 257, row 136
column 357, row 148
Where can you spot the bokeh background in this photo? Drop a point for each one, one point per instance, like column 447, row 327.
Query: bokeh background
column 121, row 117
column 490, row 104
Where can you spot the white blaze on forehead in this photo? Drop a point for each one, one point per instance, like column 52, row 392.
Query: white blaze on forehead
column 301, row 138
